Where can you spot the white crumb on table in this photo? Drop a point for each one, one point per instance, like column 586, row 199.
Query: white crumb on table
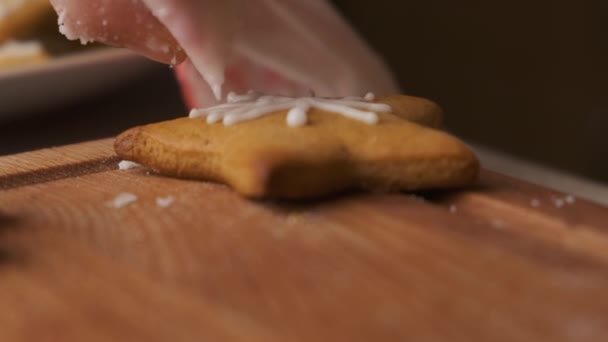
column 535, row 203
column 126, row 165
column 123, row 199
column 418, row 198
column 558, row 202
column 164, row 202
column 499, row 224
column 570, row 199
column 453, row 209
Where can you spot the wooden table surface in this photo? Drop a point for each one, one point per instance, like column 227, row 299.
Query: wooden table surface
column 482, row 264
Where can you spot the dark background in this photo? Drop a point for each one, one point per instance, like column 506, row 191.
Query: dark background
column 526, row 77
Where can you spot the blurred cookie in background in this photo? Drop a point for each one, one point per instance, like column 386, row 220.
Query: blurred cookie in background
column 29, row 34
column 20, row 18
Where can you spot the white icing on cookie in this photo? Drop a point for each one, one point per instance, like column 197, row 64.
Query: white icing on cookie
column 253, row 105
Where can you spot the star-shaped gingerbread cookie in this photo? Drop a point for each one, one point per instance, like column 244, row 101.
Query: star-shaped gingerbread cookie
column 265, row 158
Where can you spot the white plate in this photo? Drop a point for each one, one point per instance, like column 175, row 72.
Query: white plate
column 45, row 86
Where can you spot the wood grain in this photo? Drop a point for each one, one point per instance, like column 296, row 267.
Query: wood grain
column 481, row 264
column 56, row 163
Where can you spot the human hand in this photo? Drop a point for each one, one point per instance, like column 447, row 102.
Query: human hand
column 289, row 46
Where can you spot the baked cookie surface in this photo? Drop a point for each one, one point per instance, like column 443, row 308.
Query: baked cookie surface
column 19, row 17
column 264, row 158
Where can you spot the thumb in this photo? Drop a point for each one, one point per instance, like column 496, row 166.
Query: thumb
column 118, row 23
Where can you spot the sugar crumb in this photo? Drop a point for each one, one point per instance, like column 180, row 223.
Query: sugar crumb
column 535, row 203
column 570, row 199
column 453, row 209
column 164, row 202
column 558, row 202
column 418, row 198
column 126, row 165
column 293, row 219
column 499, row 224
column 123, row 199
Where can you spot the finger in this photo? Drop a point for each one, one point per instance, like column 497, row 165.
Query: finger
column 118, row 23
column 291, row 47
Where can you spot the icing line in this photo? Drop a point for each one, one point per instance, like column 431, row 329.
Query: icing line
column 252, row 105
